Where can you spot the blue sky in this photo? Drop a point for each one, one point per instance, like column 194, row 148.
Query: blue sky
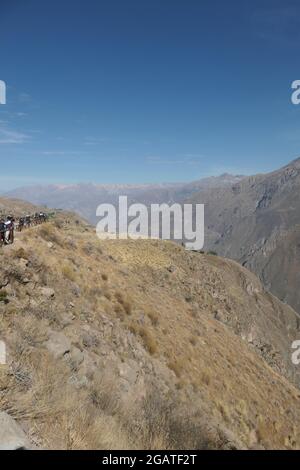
column 146, row 91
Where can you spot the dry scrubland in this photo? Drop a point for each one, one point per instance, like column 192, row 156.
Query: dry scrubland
column 139, row 344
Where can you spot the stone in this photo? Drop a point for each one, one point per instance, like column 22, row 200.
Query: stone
column 171, row 268
column 47, row 292
column 12, row 436
column 23, row 263
column 77, row 356
column 128, row 372
column 58, row 344
column 66, row 319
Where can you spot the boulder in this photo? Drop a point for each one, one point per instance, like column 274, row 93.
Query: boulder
column 12, row 437
column 23, row 263
column 47, row 292
column 66, row 319
column 58, row 344
column 77, row 357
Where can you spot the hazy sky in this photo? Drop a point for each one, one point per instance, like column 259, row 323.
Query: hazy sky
column 146, row 90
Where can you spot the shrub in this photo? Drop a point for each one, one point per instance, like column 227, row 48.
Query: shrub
column 3, row 296
column 126, row 303
column 49, row 233
column 68, row 272
column 148, row 340
column 133, row 329
column 153, row 317
column 107, row 294
column 162, row 422
column 127, row 307
column 119, row 296
column 119, row 311
column 20, row 253
column 176, row 367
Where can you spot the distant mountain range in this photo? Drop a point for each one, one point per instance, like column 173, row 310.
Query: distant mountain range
column 254, row 220
column 85, row 198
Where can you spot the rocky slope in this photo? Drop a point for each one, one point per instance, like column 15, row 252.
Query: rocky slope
column 257, row 223
column 16, row 207
column 140, row 344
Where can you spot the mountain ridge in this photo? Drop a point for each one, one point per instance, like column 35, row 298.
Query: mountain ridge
column 257, row 223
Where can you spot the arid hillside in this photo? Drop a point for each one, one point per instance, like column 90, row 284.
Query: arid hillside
column 141, row 344
column 257, row 222
column 254, row 220
column 16, row 207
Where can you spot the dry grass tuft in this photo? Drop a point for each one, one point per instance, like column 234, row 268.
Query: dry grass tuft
column 68, row 272
column 49, row 233
column 153, row 317
column 176, row 366
column 149, row 341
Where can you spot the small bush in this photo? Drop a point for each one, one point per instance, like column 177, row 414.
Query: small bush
column 127, row 307
column 126, row 303
column 20, row 253
column 119, row 311
column 153, row 317
column 103, row 394
column 133, row 329
column 119, row 296
column 205, row 377
column 176, row 367
column 68, row 273
column 88, row 249
column 3, row 296
column 107, row 294
column 149, row 341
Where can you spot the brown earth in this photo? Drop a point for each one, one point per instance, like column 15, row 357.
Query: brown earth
column 140, row 344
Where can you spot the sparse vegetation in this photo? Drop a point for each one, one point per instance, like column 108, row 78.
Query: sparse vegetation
column 152, row 315
column 125, row 302
column 176, row 366
column 20, row 253
column 68, row 272
column 3, row 295
column 148, row 339
column 50, row 234
column 102, row 359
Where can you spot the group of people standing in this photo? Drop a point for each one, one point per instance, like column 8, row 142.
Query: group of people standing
column 9, row 224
